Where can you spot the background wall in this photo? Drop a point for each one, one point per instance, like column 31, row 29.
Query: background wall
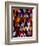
column 2, row 22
